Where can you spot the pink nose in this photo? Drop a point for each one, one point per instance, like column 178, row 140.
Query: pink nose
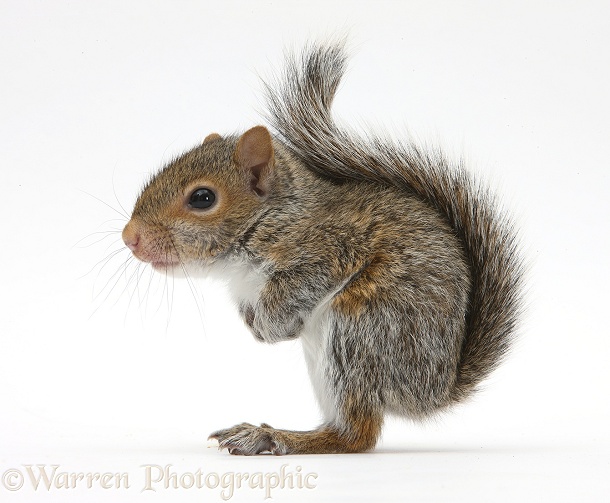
column 131, row 237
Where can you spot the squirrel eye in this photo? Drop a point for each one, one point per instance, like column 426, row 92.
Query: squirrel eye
column 202, row 199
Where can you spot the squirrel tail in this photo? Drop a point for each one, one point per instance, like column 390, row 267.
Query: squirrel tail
column 299, row 109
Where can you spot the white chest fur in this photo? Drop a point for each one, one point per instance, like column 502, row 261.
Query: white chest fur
column 315, row 340
column 245, row 283
column 243, row 280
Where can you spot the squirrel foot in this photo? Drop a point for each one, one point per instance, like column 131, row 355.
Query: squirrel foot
column 245, row 439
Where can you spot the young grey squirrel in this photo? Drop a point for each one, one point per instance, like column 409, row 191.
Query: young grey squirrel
column 396, row 270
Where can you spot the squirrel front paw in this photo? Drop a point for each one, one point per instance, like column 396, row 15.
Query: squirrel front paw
column 269, row 327
column 245, row 439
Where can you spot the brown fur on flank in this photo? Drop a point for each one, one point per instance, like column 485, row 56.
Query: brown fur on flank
column 394, row 268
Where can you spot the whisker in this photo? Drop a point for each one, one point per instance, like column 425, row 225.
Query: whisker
column 117, row 274
column 170, row 300
column 193, row 289
column 151, row 277
column 123, row 272
column 109, row 256
column 165, row 297
column 190, row 283
column 104, row 261
column 123, row 214
column 134, row 275
column 108, row 234
column 116, row 198
column 164, row 292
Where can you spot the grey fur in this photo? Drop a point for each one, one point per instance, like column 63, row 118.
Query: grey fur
column 300, row 111
column 395, row 269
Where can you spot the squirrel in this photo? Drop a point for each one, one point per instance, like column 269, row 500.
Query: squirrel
column 399, row 273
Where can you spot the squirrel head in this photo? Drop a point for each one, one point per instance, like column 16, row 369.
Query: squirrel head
column 196, row 206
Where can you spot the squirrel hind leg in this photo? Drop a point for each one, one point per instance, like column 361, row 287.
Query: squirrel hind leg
column 359, row 433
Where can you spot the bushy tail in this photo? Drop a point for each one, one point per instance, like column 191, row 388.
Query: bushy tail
column 299, row 109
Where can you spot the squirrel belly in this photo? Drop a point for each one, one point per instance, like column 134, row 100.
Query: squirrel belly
column 395, row 270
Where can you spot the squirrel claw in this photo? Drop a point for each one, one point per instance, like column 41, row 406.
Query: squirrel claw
column 245, row 439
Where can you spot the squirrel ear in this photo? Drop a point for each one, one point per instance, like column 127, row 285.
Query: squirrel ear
column 254, row 154
column 212, row 136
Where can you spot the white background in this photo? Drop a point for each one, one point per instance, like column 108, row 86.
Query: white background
column 103, row 373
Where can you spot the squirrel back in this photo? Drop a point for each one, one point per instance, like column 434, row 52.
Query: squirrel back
column 300, row 110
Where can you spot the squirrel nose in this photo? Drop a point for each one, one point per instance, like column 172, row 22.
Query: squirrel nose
column 131, row 237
